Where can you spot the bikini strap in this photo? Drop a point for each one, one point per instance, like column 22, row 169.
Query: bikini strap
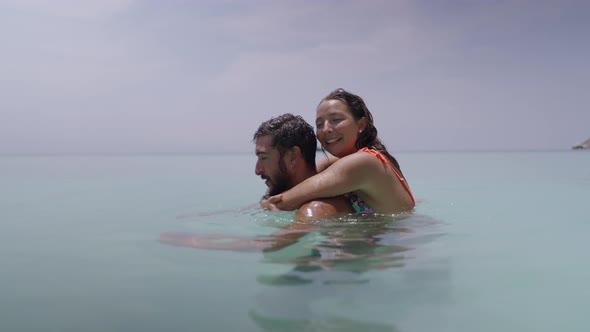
column 395, row 171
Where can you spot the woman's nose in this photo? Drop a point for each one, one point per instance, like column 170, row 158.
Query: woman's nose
column 326, row 126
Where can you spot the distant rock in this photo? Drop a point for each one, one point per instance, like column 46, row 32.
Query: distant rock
column 583, row 145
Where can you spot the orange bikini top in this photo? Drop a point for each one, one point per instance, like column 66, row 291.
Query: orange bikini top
column 395, row 171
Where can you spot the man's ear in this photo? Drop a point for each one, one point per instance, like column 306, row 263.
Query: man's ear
column 294, row 154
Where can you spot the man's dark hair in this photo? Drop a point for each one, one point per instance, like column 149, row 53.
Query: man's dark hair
column 288, row 131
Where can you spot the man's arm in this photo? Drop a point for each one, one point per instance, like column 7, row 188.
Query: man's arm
column 287, row 235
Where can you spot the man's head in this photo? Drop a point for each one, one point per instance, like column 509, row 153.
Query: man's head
column 277, row 140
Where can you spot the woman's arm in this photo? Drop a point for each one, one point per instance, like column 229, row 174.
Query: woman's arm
column 350, row 173
column 268, row 204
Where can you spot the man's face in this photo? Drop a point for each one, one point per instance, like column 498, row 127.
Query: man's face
column 268, row 166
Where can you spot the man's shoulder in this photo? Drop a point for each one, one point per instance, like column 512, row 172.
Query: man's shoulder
column 340, row 203
column 323, row 208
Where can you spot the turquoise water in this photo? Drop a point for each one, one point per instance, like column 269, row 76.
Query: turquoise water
column 497, row 242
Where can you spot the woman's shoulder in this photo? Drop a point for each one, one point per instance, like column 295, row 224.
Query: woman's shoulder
column 359, row 159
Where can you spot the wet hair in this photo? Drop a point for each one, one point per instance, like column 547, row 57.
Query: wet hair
column 288, row 131
column 358, row 109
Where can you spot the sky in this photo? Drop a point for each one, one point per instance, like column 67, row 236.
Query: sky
column 135, row 76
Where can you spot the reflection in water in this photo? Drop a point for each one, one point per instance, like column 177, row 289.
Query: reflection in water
column 329, row 324
column 325, row 288
column 355, row 272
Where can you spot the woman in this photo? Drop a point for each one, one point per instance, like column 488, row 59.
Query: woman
column 363, row 170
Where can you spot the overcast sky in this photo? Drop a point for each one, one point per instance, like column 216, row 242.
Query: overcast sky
column 133, row 76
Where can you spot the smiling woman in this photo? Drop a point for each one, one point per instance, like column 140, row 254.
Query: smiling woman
column 363, row 170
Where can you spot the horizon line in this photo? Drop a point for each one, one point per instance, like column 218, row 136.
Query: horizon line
column 160, row 153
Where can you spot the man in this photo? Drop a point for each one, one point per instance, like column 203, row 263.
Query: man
column 285, row 148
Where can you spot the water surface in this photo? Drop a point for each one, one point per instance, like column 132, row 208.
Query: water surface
column 497, row 242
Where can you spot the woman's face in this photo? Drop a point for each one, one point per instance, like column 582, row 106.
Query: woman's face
column 336, row 128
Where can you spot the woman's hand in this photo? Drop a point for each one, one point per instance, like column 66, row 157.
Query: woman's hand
column 281, row 205
column 276, row 203
column 270, row 203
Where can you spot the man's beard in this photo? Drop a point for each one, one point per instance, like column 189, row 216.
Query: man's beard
column 279, row 183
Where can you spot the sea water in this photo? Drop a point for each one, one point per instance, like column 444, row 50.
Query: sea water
column 497, row 242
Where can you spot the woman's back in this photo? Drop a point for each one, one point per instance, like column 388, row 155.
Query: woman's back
column 381, row 186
